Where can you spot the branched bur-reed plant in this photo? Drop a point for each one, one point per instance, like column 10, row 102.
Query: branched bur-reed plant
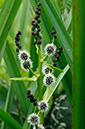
column 42, row 103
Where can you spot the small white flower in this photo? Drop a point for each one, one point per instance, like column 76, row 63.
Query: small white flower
column 25, row 64
column 33, row 119
column 50, row 49
column 43, row 106
column 23, row 55
column 41, row 127
column 46, row 70
column 49, row 79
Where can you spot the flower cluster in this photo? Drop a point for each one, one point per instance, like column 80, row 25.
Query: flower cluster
column 36, row 28
column 33, row 118
column 17, row 39
column 31, row 97
column 25, row 60
column 57, row 55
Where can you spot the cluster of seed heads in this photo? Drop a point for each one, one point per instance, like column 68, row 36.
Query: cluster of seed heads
column 53, row 32
column 31, row 97
column 57, row 55
column 17, row 39
column 36, row 28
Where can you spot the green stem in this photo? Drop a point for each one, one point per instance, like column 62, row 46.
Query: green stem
column 52, row 67
column 40, row 83
column 44, row 58
column 31, row 70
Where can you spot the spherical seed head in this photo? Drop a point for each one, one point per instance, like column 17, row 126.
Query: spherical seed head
column 40, row 37
column 19, row 32
column 17, row 38
column 33, row 33
column 36, row 11
column 34, row 42
column 53, row 32
column 54, row 64
column 33, row 119
column 31, row 100
column 55, row 36
column 41, row 127
column 57, row 55
column 26, row 64
column 35, row 37
column 39, row 21
column 30, row 96
column 35, row 103
column 39, row 3
column 17, row 49
column 39, row 42
column 20, row 47
column 39, row 9
column 36, row 17
column 49, row 79
column 43, row 106
column 35, row 99
column 50, row 49
column 53, row 28
column 58, row 51
column 33, row 21
column 33, row 28
column 36, row 33
column 23, row 55
column 51, row 41
column 54, row 60
column 39, row 29
column 17, row 44
column 28, row 92
column 60, row 48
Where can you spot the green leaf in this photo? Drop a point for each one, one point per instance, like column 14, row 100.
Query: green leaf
column 13, row 71
column 78, row 106
column 7, row 16
column 1, row 3
column 8, row 120
column 8, row 104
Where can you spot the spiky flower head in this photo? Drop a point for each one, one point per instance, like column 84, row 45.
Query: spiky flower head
column 46, row 70
column 33, row 119
column 49, row 79
column 25, row 64
column 41, row 127
column 23, row 55
column 50, row 49
column 43, row 106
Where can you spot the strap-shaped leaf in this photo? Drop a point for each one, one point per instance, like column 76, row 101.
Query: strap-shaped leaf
column 8, row 120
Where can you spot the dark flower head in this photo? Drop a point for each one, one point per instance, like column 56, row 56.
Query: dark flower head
column 43, row 106
column 33, row 119
column 49, row 79
column 25, row 65
column 50, row 49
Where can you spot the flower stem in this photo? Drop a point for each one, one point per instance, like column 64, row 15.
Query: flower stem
column 44, row 58
column 31, row 70
column 39, row 80
column 52, row 67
